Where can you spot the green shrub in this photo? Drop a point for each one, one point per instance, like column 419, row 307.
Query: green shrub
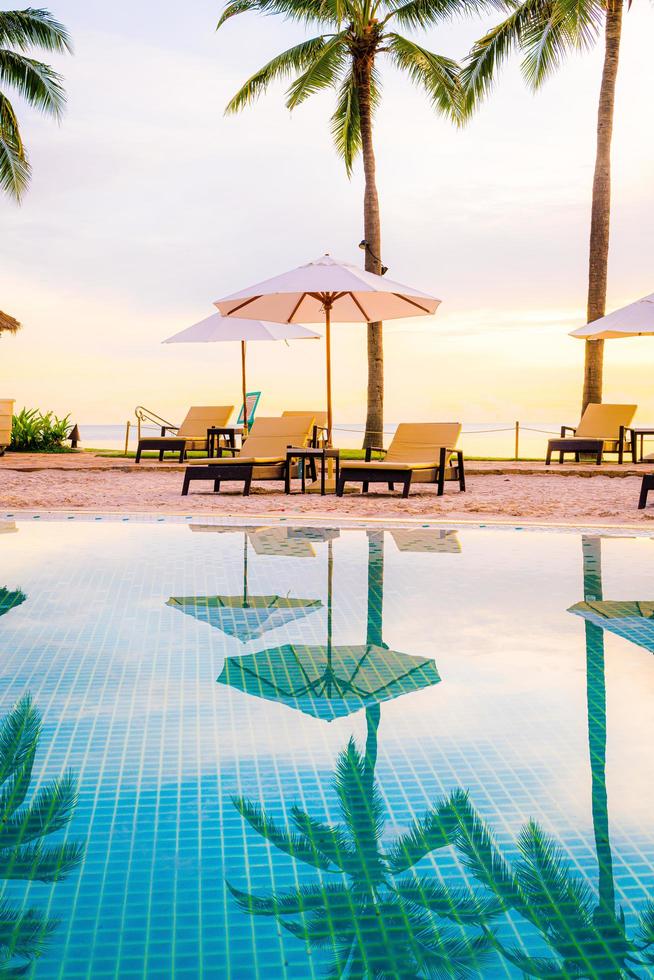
column 34, row 431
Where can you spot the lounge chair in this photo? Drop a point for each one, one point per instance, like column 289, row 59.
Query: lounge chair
column 319, row 435
column 261, row 457
column 420, row 452
column 602, row 429
column 190, row 435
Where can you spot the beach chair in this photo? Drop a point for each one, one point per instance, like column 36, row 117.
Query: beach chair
column 190, row 435
column 261, row 457
column 420, row 452
column 319, row 436
column 602, row 429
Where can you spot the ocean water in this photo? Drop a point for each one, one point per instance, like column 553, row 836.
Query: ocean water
column 483, row 439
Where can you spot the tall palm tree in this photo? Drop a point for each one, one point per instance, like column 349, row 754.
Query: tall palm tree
column 378, row 917
column 545, row 31
column 34, row 81
column 345, row 56
column 24, row 826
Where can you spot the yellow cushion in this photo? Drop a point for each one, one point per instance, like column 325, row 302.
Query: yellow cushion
column 319, row 418
column 381, row 464
column 421, row 442
column 199, row 418
column 237, row 460
column 270, row 437
column 604, row 421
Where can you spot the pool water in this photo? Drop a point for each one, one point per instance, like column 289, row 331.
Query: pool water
column 311, row 751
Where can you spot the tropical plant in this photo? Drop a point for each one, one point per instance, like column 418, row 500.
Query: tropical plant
column 24, row 827
column 8, row 324
column 378, row 917
column 546, row 31
column 37, row 83
column 585, row 937
column 9, row 600
column 344, row 56
column 35, row 431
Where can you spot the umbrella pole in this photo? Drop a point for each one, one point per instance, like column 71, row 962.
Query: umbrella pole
column 245, row 400
column 328, row 354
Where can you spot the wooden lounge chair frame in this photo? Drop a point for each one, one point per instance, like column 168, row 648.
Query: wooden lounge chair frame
column 646, row 485
column 233, row 471
column 164, row 443
column 403, row 474
column 578, row 439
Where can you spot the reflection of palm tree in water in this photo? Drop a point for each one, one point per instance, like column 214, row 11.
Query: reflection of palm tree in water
column 375, row 918
column 584, row 931
column 23, row 828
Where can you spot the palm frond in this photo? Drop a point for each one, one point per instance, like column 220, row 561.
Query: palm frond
column 458, row 904
column 332, row 842
column 362, row 808
column 423, row 14
column 35, row 81
column 19, row 735
column 50, row 811
column 541, row 967
column 326, row 12
column 24, row 933
column 333, row 896
column 346, row 123
column 287, row 63
column 557, row 901
column 489, row 53
column 482, row 857
column 8, row 324
column 292, row 844
column 436, row 829
column 562, row 26
column 443, row 952
column 436, row 74
column 33, row 28
column 37, row 862
column 646, row 925
column 322, row 72
column 319, row 930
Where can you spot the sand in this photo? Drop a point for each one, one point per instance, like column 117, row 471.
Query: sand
column 513, row 492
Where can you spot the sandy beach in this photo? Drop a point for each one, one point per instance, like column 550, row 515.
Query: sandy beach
column 519, row 491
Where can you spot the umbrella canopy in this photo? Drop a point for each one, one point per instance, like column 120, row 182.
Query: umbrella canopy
column 218, row 329
column 327, row 290
column 244, row 618
column 633, row 620
column 329, row 683
column 630, row 321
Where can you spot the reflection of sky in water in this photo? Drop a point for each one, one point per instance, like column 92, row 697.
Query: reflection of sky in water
column 127, row 688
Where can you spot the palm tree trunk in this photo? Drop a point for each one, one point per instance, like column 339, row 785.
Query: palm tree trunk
column 372, row 233
column 596, row 708
column 374, row 636
column 601, row 206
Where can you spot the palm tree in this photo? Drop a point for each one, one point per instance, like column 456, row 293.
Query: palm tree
column 37, row 83
column 375, row 919
column 586, row 938
column 344, row 56
column 546, row 30
column 23, row 828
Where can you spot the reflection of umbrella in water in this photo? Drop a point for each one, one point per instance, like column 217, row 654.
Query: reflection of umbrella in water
column 9, row 600
column 330, row 681
column 634, row 620
column 245, row 616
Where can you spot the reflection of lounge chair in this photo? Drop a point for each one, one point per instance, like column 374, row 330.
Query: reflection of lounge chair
column 427, row 541
column 262, row 455
column 276, row 541
column 420, row 452
column 319, row 435
column 602, row 429
column 190, row 435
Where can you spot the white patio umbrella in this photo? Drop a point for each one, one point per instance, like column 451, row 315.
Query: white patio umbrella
column 217, row 328
column 326, row 290
column 633, row 320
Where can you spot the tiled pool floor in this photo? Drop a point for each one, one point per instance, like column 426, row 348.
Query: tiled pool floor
column 307, row 749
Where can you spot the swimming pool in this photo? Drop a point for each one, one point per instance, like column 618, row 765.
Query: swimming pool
column 302, row 749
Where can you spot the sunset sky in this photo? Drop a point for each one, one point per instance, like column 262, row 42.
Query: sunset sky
column 147, row 204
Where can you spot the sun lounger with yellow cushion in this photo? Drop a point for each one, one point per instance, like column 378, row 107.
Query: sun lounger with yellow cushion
column 602, row 429
column 420, row 452
column 191, row 434
column 262, row 455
